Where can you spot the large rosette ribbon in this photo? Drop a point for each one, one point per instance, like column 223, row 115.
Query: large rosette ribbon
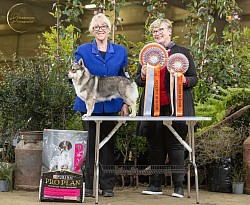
column 155, row 57
column 177, row 65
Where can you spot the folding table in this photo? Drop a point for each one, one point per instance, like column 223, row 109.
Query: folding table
column 167, row 121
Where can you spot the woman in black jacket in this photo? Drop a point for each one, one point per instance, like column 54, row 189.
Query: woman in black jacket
column 161, row 141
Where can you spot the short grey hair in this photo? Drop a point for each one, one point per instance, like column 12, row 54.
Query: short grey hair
column 99, row 18
column 159, row 22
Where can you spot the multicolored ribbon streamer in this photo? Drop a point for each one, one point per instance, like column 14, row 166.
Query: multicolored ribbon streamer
column 149, row 91
column 178, row 93
column 177, row 65
column 154, row 56
column 157, row 91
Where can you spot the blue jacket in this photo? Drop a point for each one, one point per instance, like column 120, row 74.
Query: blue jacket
column 115, row 59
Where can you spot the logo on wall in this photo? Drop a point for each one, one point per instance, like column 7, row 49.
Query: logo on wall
column 21, row 17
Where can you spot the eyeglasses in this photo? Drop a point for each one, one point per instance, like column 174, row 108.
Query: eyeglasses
column 97, row 28
column 158, row 31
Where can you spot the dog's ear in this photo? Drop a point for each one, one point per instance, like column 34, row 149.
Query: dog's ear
column 69, row 145
column 81, row 63
column 61, row 144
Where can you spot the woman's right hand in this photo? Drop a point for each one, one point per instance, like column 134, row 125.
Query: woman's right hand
column 144, row 71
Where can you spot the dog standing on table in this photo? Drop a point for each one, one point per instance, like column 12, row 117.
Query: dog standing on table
column 93, row 89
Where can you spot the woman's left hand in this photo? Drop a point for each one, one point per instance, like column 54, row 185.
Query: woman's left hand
column 184, row 79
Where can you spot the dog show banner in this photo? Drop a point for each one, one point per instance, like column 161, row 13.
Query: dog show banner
column 155, row 57
column 177, row 65
column 62, row 177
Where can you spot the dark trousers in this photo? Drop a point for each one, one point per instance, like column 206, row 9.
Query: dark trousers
column 106, row 154
column 162, row 143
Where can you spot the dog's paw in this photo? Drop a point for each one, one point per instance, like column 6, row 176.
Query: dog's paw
column 86, row 115
column 132, row 115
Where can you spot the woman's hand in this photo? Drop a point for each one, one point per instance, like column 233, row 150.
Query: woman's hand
column 184, row 80
column 144, row 71
column 124, row 110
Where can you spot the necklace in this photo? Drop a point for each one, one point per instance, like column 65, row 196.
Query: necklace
column 102, row 48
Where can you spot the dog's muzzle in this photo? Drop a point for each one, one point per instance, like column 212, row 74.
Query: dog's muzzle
column 66, row 74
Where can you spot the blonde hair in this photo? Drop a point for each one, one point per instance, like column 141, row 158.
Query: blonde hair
column 159, row 22
column 99, row 18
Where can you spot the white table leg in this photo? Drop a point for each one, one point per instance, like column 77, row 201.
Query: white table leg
column 191, row 125
column 96, row 165
column 106, row 139
column 177, row 136
column 98, row 146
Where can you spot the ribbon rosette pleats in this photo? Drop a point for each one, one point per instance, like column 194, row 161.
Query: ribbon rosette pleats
column 155, row 57
column 177, row 65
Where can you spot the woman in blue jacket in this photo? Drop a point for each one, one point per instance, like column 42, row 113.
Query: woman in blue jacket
column 102, row 58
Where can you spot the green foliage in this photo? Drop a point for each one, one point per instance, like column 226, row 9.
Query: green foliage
column 41, row 92
column 215, row 143
column 35, row 94
column 238, row 171
column 68, row 13
column 220, row 143
column 6, row 172
column 155, row 9
column 223, row 68
column 115, row 6
column 218, row 102
column 222, row 58
column 128, row 143
column 73, row 9
column 122, row 40
column 50, row 49
column 59, row 46
column 111, row 5
column 60, row 42
column 133, row 58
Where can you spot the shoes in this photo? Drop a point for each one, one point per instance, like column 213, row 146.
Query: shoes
column 178, row 192
column 88, row 193
column 108, row 193
column 105, row 193
column 152, row 190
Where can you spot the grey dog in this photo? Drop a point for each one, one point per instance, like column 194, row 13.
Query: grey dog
column 93, row 89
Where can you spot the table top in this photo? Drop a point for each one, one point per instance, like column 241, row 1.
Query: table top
column 144, row 118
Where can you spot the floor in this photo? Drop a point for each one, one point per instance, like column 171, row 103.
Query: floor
column 133, row 196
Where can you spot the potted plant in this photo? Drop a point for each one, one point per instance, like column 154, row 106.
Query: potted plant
column 238, row 170
column 217, row 151
column 6, row 172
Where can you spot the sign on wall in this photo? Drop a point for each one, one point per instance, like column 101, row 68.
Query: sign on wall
column 21, row 17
